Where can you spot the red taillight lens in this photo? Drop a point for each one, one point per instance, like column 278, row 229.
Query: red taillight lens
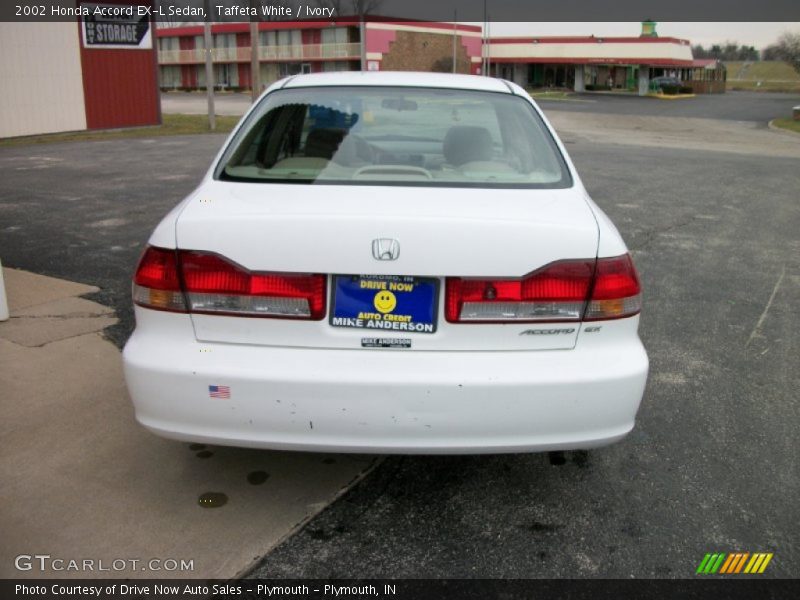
column 156, row 283
column 616, row 292
column 212, row 284
column 158, row 268
column 216, row 285
column 557, row 292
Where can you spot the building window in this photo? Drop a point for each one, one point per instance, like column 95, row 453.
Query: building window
column 171, row 76
column 290, row 37
column 267, row 38
column 334, row 35
column 168, row 44
column 336, row 65
column 286, row 69
column 225, row 40
column 226, row 76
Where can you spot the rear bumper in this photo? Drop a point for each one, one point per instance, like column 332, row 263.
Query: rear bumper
column 385, row 401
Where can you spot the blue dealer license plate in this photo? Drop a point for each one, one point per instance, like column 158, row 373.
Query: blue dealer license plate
column 385, row 302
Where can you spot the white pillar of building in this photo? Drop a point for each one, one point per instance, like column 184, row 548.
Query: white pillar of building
column 579, row 79
column 644, row 80
column 522, row 75
column 3, row 300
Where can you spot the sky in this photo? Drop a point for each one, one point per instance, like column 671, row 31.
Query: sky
column 749, row 34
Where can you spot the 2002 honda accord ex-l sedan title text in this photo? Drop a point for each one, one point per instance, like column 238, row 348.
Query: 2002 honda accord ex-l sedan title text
column 388, row 262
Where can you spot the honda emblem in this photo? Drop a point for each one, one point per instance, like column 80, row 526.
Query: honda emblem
column 385, row 249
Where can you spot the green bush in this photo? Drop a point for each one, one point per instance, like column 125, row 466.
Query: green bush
column 686, row 89
column 670, row 90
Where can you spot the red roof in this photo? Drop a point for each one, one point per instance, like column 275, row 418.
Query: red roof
column 587, row 39
column 705, row 63
column 243, row 27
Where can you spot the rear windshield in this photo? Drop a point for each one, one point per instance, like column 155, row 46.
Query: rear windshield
column 395, row 136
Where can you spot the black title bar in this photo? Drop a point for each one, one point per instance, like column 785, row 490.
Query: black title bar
column 183, row 11
column 730, row 588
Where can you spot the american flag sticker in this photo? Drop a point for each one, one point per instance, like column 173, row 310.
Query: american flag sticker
column 219, row 391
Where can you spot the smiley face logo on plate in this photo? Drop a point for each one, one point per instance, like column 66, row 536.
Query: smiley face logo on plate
column 384, row 301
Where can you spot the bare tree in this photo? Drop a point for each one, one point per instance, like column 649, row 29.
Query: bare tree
column 728, row 51
column 167, row 20
column 336, row 5
column 787, row 48
column 365, row 7
column 346, row 8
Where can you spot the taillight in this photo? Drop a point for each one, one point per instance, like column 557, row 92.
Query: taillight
column 557, row 292
column 216, row 285
column 156, row 283
column 562, row 291
column 213, row 284
column 616, row 292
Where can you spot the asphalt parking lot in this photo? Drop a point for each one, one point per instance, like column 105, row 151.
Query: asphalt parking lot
column 194, row 103
column 83, row 211
column 712, row 464
column 732, row 106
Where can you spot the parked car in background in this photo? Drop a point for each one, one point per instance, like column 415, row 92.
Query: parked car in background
column 392, row 263
column 659, row 83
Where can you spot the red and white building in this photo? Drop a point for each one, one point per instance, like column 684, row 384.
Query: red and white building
column 601, row 63
column 289, row 48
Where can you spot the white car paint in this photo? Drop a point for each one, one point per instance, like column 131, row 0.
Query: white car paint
column 468, row 388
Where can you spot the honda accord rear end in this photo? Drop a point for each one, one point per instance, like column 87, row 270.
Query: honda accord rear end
column 393, row 263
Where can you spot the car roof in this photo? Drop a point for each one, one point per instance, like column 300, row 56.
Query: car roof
column 399, row 79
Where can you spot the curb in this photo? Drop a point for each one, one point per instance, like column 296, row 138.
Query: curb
column 666, row 97
column 3, row 299
column 774, row 127
column 544, row 99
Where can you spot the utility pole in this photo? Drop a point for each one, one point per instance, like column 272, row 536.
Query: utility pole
column 455, row 31
column 489, row 45
column 208, row 43
column 255, row 63
column 484, row 44
column 362, row 33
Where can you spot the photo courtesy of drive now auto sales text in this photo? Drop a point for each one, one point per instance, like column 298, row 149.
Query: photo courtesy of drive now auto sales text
column 193, row 590
column 135, row 590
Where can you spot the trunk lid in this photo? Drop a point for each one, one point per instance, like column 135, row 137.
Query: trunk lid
column 458, row 232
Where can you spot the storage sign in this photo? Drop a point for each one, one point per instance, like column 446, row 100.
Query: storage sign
column 116, row 26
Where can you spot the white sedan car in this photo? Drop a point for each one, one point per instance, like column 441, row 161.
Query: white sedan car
column 391, row 263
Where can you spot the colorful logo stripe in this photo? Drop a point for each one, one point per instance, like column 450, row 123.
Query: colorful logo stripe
column 734, row 563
